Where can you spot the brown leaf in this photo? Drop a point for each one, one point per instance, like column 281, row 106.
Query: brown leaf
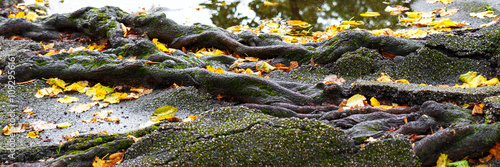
column 294, row 65
column 478, row 109
column 495, row 150
column 388, row 55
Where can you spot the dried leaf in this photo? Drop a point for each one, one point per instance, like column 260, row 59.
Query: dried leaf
column 67, row 99
column 495, row 150
column 42, row 125
column 333, row 79
column 478, row 109
column 79, row 108
column 102, row 113
column 264, row 66
column 134, row 138
column 384, row 78
column 112, row 119
column 75, row 87
column 92, row 120
column 12, row 128
column 294, row 65
column 190, row 118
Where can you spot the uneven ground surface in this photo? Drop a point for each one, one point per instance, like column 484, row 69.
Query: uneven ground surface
column 290, row 119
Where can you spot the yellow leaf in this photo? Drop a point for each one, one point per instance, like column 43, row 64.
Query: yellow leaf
column 67, row 99
column 264, row 66
column 369, row 14
column 33, row 134
column 356, row 101
column 160, row 46
column 56, row 81
column 384, row 78
column 31, row 16
column 113, row 98
column 12, row 128
column 164, row 112
column 414, row 15
column 491, row 82
column 442, row 160
column 20, row 14
column 477, row 81
column 64, row 125
column 402, row 81
column 467, row 77
column 112, row 119
column 75, row 87
column 251, row 59
column 374, row 102
column 267, row 3
column 218, row 70
column 80, row 108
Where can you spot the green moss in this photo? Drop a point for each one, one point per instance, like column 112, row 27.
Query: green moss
column 262, row 37
column 179, row 35
column 40, row 62
column 153, row 128
column 99, row 140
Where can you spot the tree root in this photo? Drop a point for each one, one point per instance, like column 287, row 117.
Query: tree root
column 365, row 110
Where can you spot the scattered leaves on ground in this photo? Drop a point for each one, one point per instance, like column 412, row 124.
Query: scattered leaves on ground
column 63, row 125
column 333, row 79
column 33, row 134
column 14, row 128
column 190, row 118
column 114, row 159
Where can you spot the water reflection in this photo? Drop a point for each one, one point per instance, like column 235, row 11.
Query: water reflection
column 319, row 13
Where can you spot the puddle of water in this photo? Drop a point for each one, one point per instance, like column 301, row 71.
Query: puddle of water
column 319, row 13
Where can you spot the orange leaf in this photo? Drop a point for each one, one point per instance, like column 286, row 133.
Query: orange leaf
column 388, row 55
column 219, row 97
column 294, row 65
column 495, row 150
column 478, row 109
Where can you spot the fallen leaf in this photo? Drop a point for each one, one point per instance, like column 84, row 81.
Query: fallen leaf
column 67, row 99
column 29, row 111
column 33, row 134
column 56, row 81
column 190, row 118
column 478, row 109
column 218, row 70
column 356, row 101
column 264, row 66
column 369, row 14
column 481, row 15
column 164, row 112
column 267, row 3
column 333, row 79
column 384, row 78
column 371, row 140
column 79, row 108
column 294, row 65
column 91, row 120
column 112, row 119
column 102, row 113
column 134, row 138
column 442, row 160
column 42, row 125
column 75, row 87
column 13, row 128
column 63, row 125
column 21, row 83
column 495, row 150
